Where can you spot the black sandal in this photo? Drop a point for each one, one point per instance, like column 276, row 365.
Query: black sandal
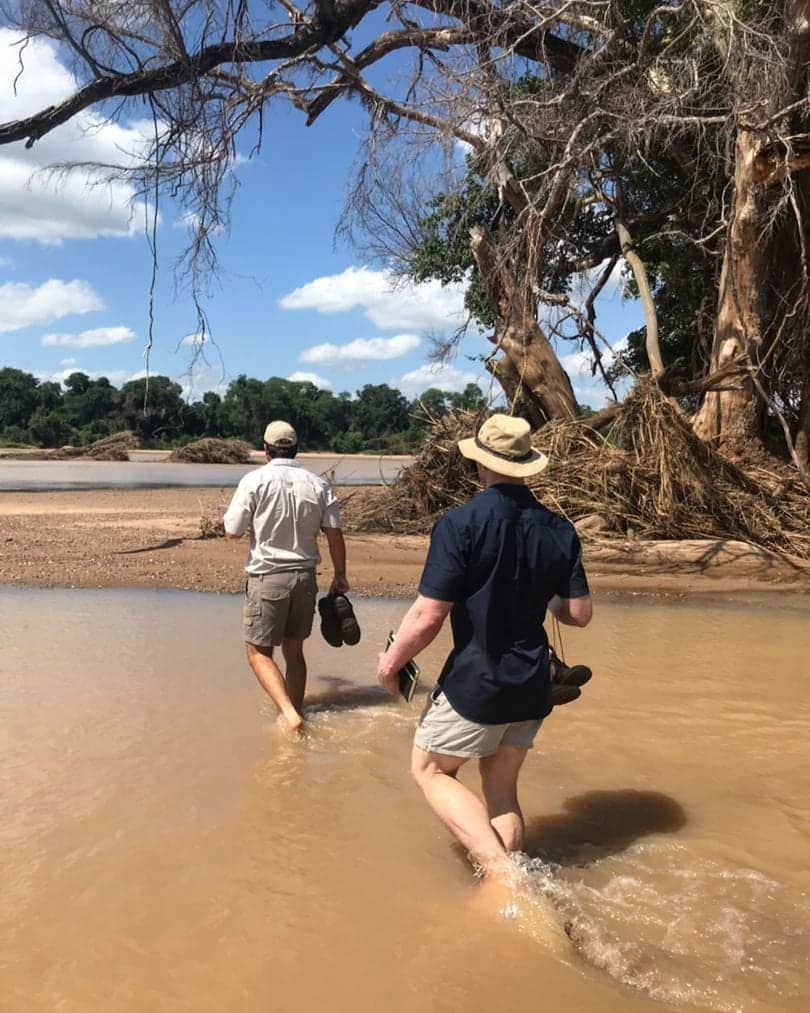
column 330, row 623
column 349, row 627
column 563, row 675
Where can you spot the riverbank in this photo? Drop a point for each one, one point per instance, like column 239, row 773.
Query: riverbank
column 151, row 538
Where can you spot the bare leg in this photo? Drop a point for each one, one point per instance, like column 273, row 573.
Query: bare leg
column 461, row 811
column 296, row 671
column 499, row 777
column 272, row 681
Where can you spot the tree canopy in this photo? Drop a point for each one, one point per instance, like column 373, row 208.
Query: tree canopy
column 379, row 418
column 673, row 137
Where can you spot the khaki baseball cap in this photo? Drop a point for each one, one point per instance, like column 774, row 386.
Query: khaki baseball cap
column 280, row 434
column 503, row 444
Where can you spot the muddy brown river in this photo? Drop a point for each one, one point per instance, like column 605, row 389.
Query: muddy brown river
column 163, row 849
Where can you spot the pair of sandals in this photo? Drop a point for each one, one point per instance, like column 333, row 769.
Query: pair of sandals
column 339, row 624
column 566, row 680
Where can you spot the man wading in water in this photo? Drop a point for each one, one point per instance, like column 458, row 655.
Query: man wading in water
column 495, row 565
column 285, row 506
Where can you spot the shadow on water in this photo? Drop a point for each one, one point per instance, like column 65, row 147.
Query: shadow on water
column 343, row 694
column 347, row 699
column 597, row 824
column 601, row 823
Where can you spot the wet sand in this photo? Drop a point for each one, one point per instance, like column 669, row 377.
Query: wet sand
column 164, row 849
column 151, row 538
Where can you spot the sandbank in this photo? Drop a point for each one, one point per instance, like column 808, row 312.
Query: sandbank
column 151, row 538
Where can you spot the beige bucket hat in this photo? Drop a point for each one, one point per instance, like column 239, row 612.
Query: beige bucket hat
column 280, row 434
column 503, row 444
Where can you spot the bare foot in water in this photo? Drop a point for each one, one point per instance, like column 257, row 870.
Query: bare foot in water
column 290, row 725
column 511, row 892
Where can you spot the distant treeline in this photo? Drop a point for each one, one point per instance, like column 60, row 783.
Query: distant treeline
column 379, row 417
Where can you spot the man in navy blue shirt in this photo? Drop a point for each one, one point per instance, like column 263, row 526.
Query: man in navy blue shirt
column 495, row 565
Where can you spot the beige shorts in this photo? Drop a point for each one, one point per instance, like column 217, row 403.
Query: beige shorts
column 443, row 730
column 279, row 606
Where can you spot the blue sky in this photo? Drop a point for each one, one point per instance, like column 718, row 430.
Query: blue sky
column 75, row 265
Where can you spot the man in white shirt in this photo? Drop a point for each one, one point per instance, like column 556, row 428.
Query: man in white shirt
column 284, row 506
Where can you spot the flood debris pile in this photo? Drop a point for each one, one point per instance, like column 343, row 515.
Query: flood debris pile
column 211, row 525
column 109, row 448
column 642, row 474
column 212, row 450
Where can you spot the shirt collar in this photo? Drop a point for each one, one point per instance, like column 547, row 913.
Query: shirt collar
column 511, row 489
column 286, row 462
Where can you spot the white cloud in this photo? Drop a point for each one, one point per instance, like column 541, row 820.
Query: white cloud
column 479, row 126
column 117, row 377
column 98, row 337
column 191, row 220
column 202, row 376
column 67, row 362
column 590, row 389
column 39, row 205
column 440, row 376
column 578, row 364
column 6, row 262
column 582, row 284
column 386, row 302
column 187, row 220
column 362, row 349
column 59, row 376
column 301, row 376
column 22, row 305
column 195, row 340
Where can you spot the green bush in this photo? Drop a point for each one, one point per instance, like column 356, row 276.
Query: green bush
column 14, row 436
column 49, row 429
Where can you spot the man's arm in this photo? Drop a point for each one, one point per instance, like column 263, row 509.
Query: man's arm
column 420, row 627
column 236, row 519
column 337, row 553
column 572, row 611
column 572, row 604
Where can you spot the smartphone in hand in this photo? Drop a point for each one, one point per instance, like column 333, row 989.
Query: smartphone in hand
column 408, row 675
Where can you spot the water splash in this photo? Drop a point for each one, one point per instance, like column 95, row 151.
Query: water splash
column 682, row 928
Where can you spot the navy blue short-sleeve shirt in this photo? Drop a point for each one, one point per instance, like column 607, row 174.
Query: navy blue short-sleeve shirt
column 500, row 558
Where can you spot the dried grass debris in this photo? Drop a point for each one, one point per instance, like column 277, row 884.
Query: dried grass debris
column 115, row 447
column 647, row 476
column 212, row 450
column 211, row 526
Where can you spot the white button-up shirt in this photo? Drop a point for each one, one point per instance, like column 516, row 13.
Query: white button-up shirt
column 285, row 507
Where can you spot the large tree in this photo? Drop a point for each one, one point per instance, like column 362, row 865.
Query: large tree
column 648, row 132
column 18, row 398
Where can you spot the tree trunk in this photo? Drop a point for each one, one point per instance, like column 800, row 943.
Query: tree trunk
column 529, row 369
column 733, row 414
column 509, row 379
column 802, row 441
column 651, row 343
column 763, row 297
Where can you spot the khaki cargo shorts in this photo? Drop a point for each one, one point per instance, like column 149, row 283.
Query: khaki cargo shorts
column 279, row 606
column 443, row 730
